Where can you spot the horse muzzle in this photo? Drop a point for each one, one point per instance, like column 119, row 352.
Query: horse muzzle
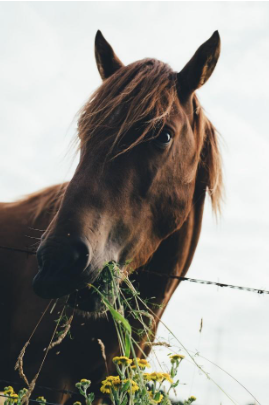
column 63, row 267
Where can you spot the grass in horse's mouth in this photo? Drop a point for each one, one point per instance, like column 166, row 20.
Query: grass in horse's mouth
column 88, row 299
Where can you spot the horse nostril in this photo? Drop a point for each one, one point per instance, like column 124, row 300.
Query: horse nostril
column 60, row 252
column 61, row 263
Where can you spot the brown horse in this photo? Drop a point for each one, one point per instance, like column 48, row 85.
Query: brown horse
column 148, row 155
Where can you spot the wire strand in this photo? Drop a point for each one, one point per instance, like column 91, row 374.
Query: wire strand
column 207, row 282
column 191, row 280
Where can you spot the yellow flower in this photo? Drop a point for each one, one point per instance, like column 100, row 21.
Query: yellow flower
column 112, row 380
column 14, row 397
column 109, row 382
column 77, row 403
column 192, row 398
column 156, row 376
column 153, row 376
column 167, row 377
column 122, row 360
column 157, row 397
column 134, row 386
column 8, row 390
column 159, row 377
column 176, row 357
column 84, row 380
column 106, row 387
column 142, row 363
column 41, row 399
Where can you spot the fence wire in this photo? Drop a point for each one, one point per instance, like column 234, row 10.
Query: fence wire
column 191, row 280
column 195, row 280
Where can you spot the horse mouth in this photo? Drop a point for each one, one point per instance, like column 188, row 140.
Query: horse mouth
column 91, row 299
column 87, row 300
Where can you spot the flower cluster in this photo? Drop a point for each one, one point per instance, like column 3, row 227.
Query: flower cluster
column 141, row 363
column 134, row 363
column 134, row 386
column 13, row 398
column 176, row 358
column 122, row 361
column 83, row 386
column 42, row 400
column 8, row 390
column 190, row 400
column 175, row 362
column 109, row 382
column 112, row 383
column 158, row 377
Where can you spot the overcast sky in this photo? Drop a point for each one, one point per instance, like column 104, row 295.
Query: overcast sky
column 47, row 72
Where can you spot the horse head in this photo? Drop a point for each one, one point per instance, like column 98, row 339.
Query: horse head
column 145, row 147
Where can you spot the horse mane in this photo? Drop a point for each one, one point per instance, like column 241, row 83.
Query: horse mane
column 210, row 159
column 146, row 90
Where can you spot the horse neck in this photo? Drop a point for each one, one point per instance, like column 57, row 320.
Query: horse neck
column 173, row 258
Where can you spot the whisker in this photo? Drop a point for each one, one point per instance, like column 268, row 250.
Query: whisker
column 32, row 237
column 35, row 229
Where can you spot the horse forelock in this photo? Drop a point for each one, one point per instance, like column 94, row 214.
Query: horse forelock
column 138, row 95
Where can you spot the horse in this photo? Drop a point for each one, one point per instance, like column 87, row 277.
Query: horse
column 148, row 157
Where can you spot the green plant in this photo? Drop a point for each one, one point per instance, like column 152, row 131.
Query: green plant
column 13, row 398
column 132, row 385
column 83, row 387
column 127, row 387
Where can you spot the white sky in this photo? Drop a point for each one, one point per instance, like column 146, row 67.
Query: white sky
column 47, row 71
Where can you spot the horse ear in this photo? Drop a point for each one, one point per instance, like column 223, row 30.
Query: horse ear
column 107, row 61
column 200, row 67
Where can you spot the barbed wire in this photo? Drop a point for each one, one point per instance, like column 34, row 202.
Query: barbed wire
column 191, row 280
column 207, row 282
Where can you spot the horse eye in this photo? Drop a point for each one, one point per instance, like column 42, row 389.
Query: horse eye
column 163, row 139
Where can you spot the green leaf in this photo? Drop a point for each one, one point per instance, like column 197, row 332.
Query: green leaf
column 174, row 385
column 116, row 315
column 127, row 345
column 157, row 396
column 119, row 318
column 90, row 397
column 125, row 400
column 126, row 386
